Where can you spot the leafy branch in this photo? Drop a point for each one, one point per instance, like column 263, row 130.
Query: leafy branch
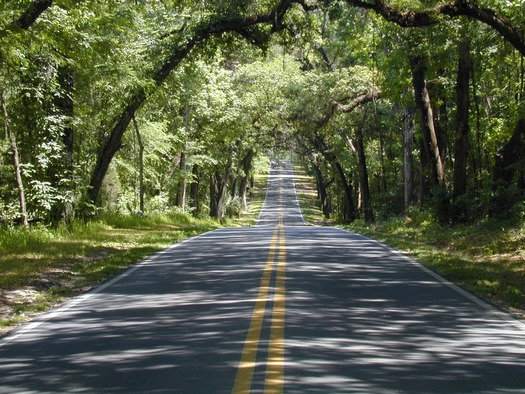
column 430, row 16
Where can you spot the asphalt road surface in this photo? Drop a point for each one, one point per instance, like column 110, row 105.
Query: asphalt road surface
column 279, row 307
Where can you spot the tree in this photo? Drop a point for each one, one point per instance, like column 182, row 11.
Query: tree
column 432, row 146
column 461, row 145
column 246, row 26
column 16, row 163
column 213, row 86
column 513, row 33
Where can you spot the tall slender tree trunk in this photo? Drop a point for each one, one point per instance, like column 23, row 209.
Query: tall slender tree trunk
column 426, row 116
column 349, row 209
column 194, row 190
column 223, row 188
column 408, row 168
column 424, row 182
column 322, row 185
column 381, row 152
column 461, row 145
column 181, row 192
column 141, row 165
column 214, row 210
column 246, row 167
column 364, row 187
column 349, row 212
column 16, row 162
column 322, row 189
column 477, row 161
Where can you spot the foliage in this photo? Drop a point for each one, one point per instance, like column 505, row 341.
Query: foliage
column 205, row 101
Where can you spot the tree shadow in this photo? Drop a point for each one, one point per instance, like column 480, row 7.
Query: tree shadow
column 374, row 322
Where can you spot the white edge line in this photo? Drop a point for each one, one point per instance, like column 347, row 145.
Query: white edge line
column 296, row 199
column 295, row 193
column 264, row 202
column 31, row 325
column 500, row 314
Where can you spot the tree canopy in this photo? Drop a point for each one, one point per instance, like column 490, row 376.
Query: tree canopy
column 152, row 104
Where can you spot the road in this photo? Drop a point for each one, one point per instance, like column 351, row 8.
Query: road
column 278, row 307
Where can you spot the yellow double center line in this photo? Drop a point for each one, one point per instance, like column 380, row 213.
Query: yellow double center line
column 274, row 379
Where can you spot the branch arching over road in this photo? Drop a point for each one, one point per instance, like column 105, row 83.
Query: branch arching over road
column 202, row 32
column 431, row 16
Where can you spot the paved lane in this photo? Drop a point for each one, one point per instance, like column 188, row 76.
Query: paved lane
column 174, row 324
column 361, row 319
column 279, row 307
column 281, row 200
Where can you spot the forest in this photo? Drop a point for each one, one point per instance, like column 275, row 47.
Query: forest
column 142, row 106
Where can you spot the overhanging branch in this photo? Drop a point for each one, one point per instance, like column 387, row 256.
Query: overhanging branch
column 514, row 34
column 202, row 32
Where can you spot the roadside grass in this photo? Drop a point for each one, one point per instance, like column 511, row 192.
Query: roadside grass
column 46, row 266
column 487, row 258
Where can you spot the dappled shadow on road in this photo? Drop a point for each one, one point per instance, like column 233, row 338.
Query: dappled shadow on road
column 374, row 322
column 177, row 321
column 358, row 319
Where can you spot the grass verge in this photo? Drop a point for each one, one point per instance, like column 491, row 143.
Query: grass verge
column 45, row 267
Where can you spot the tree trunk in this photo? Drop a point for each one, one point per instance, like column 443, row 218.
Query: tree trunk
column 223, row 188
column 364, row 187
column 322, row 189
column 141, row 166
column 349, row 210
column 408, row 169
column 426, row 117
column 382, row 180
column 214, row 211
column 322, row 186
column 477, row 161
column 113, row 145
column 194, row 190
column 508, row 157
column 461, row 145
column 29, row 16
column 181, row 192
column 16, row 163
column 246, row 166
